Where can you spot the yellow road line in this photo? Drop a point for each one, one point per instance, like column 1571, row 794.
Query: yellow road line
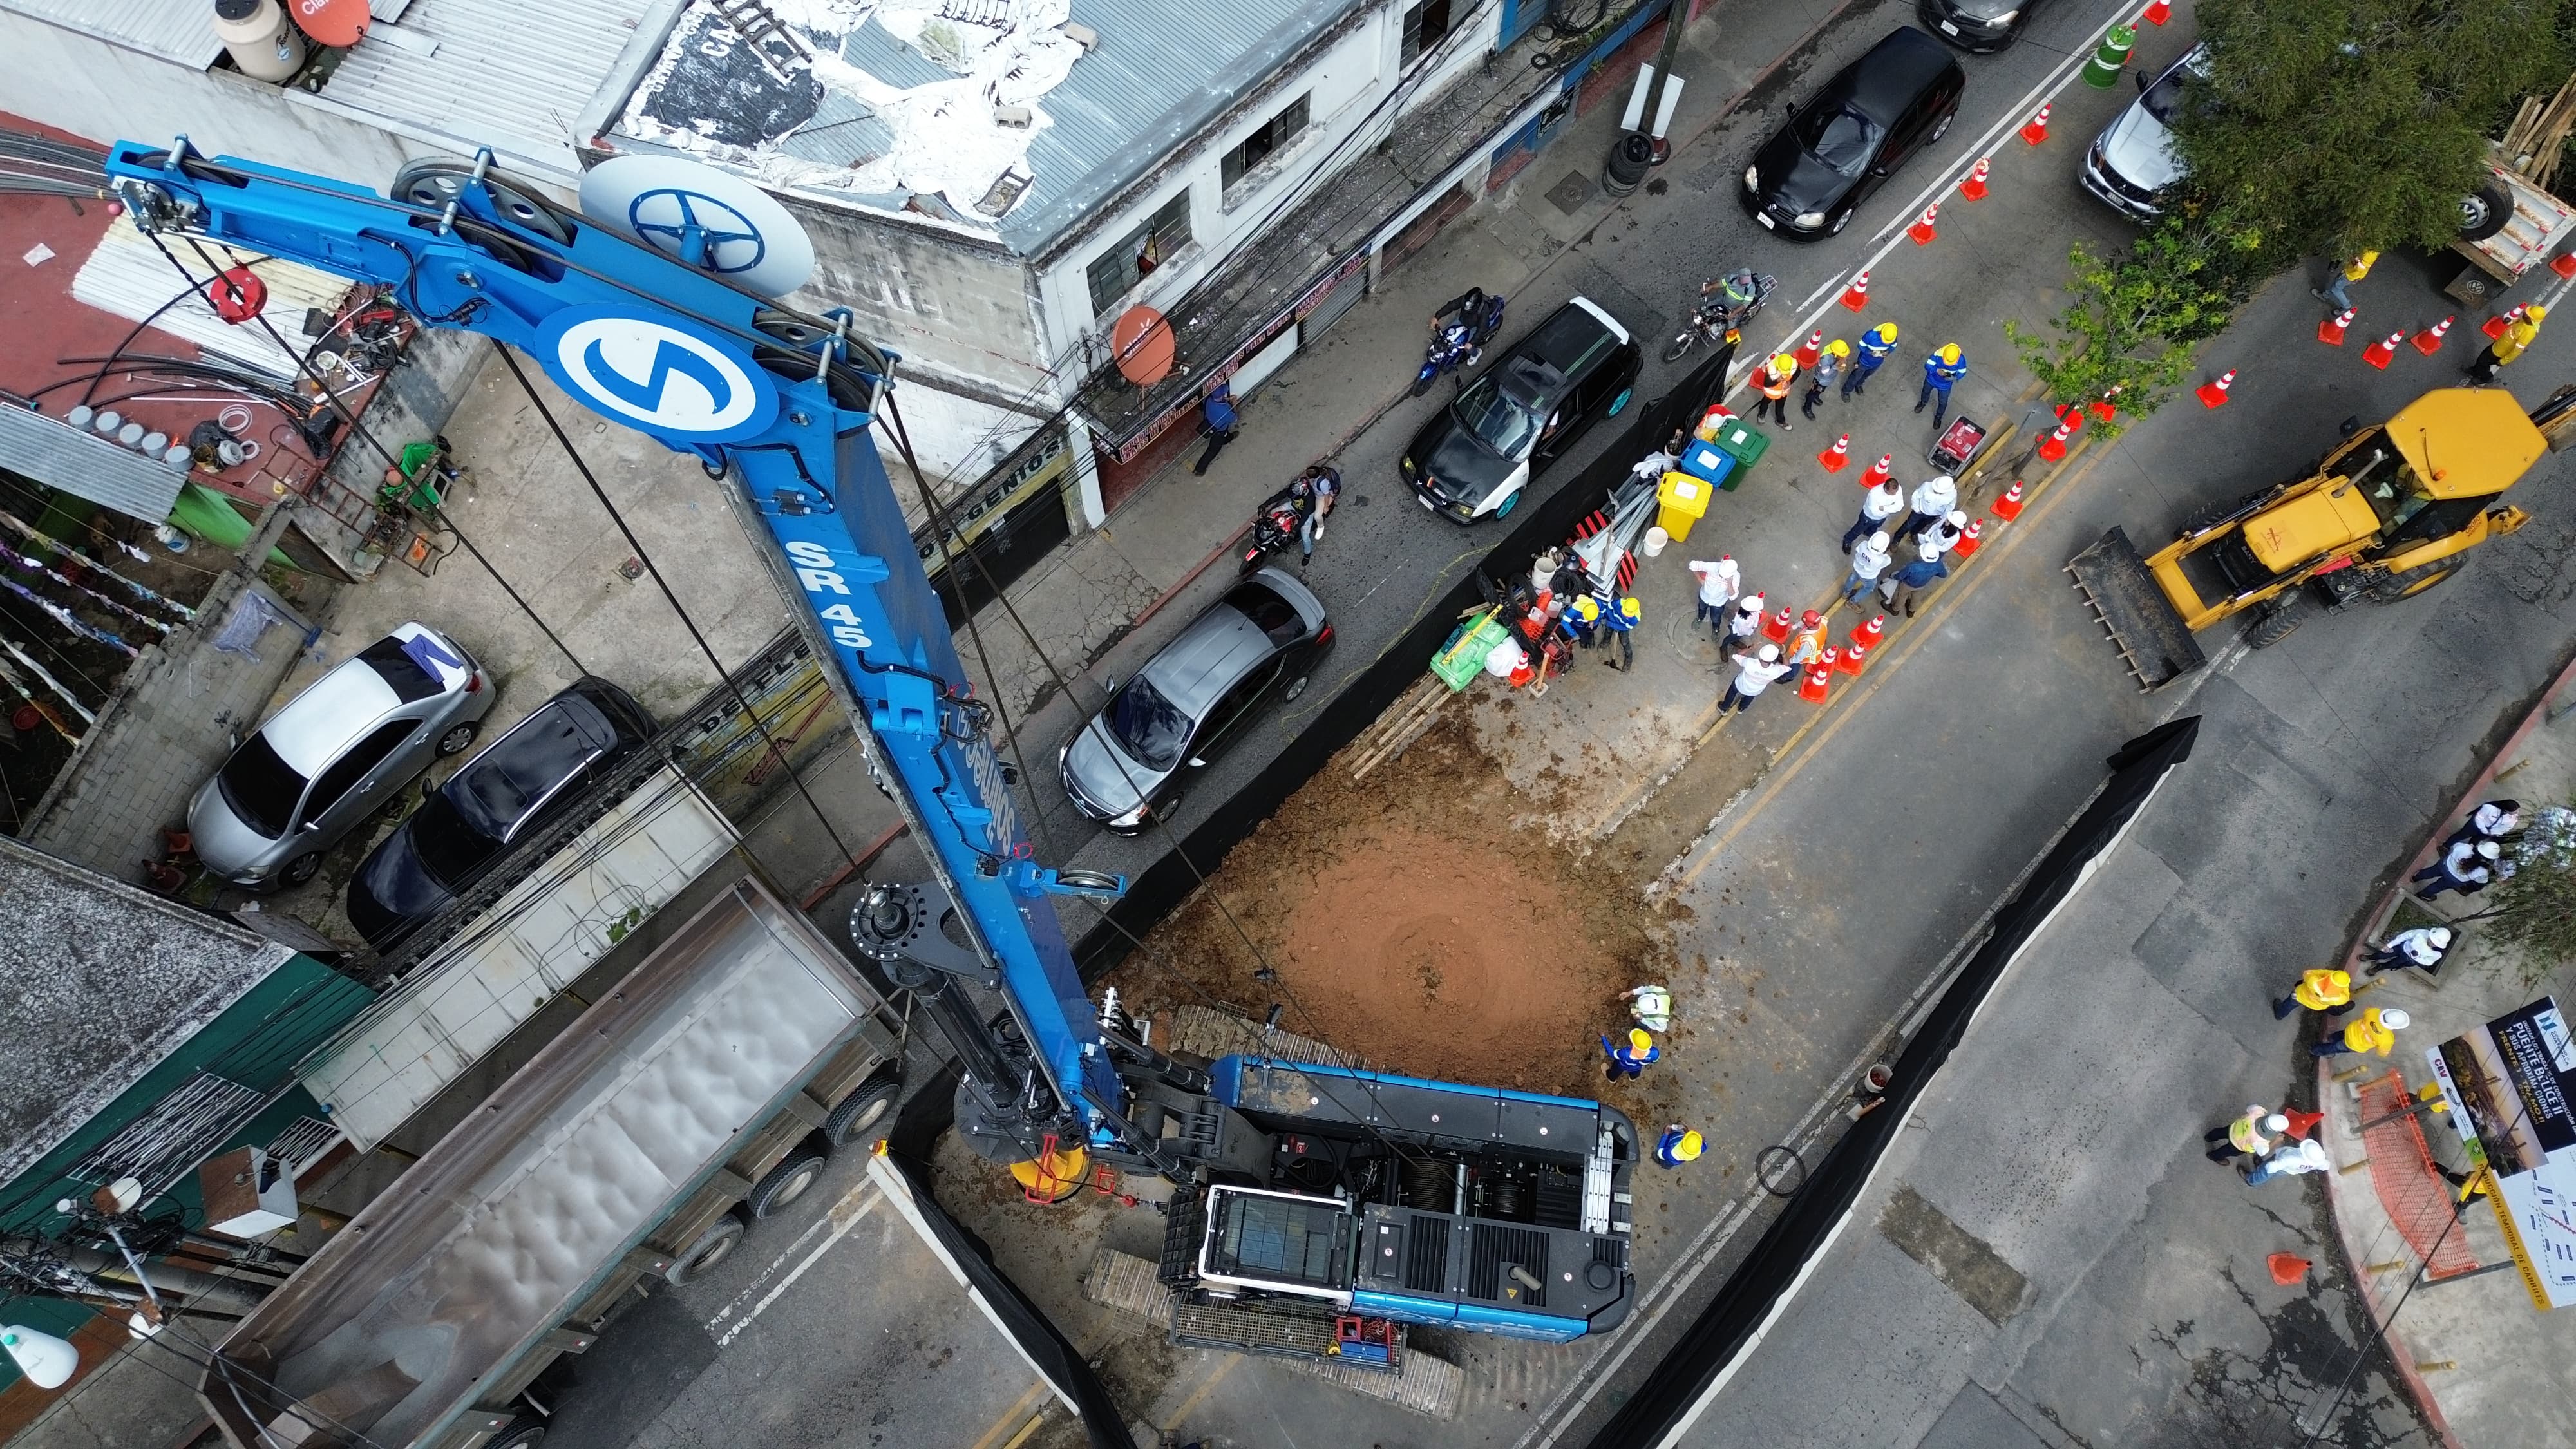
column 1011, row 1416
column 1026, row 1430
column 1904, row 649
column 1215, row 1377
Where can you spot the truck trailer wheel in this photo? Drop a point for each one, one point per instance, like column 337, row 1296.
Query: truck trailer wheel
column 2413, row 581
column 712, row 1247
column 2275, row 621
column 519, row 1433
column 791, row 1179
column 867, row 1104
column 2484, row 212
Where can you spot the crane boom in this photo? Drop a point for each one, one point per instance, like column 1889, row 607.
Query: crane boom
column 778, row 401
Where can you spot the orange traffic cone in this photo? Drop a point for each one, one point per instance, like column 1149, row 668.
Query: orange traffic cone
column 1921, row 230
column 1776, row 628
column 1837, row 457
column 2494, row 327
column 1854, row 655
column 2008, row 507
column 1868, row 635
column 1856, row 295
column 2564, row 264
column 2037, row 130
column 1812, row 688
column 2330, row 331
column 2302, row 1123
column 2379, row 354
column 2287, row 1268
column 1878, row 471
column 1974, row 188
column 2157, row 12
column 2053, row 447
column 2102, row 407
column 2429, row 341
column 2072, row 416
column 2214, row 394
column 1968, row 541
column 1810, row 350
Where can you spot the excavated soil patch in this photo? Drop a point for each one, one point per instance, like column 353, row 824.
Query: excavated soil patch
column 1411, row 922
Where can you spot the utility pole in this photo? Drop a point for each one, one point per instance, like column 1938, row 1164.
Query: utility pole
column 1639, row 149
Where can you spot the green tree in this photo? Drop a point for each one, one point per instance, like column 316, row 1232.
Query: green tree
column 2534, row 909
column 2353, row 125
column 2131, row 321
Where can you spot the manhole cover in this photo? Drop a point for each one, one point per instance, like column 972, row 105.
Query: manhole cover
column 1570, row 194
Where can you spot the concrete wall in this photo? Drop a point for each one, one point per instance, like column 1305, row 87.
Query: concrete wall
column 953, row 307
column 167, row 728
column 108, row 93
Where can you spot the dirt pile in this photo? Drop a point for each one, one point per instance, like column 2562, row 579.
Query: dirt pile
column 1413, row 923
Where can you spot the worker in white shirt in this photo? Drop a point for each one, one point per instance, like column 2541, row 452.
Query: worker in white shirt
column 1867, row 563
column 1747, row 623
column 1879, row 507
column 1720, row 580
column 2465, row 867
column 1946, row 534
column 2424, row 946
column 1933, row 500
column 1754, row 673
column 2290, row 1159
column 2494, row 820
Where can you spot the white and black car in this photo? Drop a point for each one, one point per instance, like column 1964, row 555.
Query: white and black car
column 1475, row 458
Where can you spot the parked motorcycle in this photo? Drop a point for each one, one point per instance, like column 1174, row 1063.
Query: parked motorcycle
column 1460, row 343
column 1725, row 305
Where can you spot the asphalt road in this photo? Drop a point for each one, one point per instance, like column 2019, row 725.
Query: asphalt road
column 1824, row 899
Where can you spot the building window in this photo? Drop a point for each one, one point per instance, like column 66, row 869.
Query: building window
column 1425, row 25
column 1115, row 272
column 1264, row 142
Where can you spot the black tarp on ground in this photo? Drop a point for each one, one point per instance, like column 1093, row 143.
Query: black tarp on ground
column 1679, row 1388
column 1155, row 891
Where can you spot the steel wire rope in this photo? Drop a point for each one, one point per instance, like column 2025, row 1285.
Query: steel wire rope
column 1267, row 974
column 332, row 400
column 645, row 556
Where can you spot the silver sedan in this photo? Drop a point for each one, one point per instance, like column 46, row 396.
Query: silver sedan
column 337, row 752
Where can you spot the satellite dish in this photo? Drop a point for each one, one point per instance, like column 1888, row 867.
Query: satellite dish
column 710, row 219
column 336, row 23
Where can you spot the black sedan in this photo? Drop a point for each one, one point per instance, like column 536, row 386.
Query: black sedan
column 1868, row 120
column 1979, row 27
column 519, row 784
column 1476, row 457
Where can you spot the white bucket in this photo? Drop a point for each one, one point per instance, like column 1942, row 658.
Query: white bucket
column 1507, row 656
column 1656, row 538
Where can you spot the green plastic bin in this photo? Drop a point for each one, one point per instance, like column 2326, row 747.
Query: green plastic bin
column 1739, row 440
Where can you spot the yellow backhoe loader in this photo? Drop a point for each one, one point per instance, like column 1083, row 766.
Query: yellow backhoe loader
column 2391, row 512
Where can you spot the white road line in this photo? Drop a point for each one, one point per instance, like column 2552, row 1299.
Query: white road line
column 1830, row 283
column 2049, row 88
column 1570, row 1402
column 739, row 1299
column 844, row 1216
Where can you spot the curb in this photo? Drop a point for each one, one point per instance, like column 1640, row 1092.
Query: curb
column 2356, row 1262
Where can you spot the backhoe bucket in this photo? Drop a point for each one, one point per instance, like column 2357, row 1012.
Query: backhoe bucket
column 2142, row 624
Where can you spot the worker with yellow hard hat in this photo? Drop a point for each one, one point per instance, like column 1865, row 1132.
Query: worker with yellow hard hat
column 1941, row 371
column 1630, row 1058
column 1829, row 367
column 1775, row 380
column 2508, row 344
column 1876, row 346
column 1678, row 1145
column 2336, row 292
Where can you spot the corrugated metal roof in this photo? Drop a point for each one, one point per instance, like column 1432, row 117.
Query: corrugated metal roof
column 506, row 74
column 80, row 462
column 84, row 1024
column 1163, row 69
column 872, row 50
column 174, row 30
column 841, row 132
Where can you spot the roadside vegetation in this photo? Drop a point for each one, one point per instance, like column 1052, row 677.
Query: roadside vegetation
column 2324, row 128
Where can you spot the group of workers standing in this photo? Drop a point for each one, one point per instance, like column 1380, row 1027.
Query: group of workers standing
column 1852, row 364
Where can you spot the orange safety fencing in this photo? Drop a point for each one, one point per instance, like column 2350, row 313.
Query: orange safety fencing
column 2418, row 1199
